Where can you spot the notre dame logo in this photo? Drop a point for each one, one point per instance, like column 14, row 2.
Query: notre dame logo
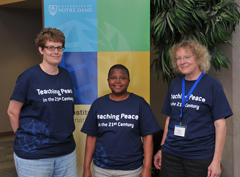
column 52, row 9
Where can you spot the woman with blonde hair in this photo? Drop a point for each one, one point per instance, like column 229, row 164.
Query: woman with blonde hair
column 196, row 109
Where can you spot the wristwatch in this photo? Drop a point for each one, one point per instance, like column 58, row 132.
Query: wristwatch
column 160, row 147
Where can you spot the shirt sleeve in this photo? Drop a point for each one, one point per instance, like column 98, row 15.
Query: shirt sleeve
column 90, row 126
column 166, row 106
column 220, row 107
column 20, row 92
column 148, row 123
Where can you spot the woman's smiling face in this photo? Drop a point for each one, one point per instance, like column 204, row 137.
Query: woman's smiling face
column 118, row 81
column 187, row 63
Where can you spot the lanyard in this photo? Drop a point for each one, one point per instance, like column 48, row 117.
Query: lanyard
column 184, row 100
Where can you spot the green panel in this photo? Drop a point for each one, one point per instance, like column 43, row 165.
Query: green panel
column 123, row 25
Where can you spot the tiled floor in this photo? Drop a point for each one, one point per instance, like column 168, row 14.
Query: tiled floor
column 7, row 167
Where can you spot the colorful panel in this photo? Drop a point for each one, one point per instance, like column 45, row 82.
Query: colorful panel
column 98, row 35
column 82, row 67
column 77, row 19
column 123, row 25
column 139, row 68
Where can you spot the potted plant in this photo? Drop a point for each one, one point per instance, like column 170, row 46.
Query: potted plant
column 210, row 22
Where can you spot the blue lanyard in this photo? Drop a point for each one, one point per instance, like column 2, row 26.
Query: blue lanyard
column 184, row 100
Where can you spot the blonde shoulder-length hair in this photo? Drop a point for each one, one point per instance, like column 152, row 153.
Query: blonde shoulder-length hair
column 199, row 51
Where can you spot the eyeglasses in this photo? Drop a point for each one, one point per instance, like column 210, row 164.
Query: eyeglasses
column 52, row 48
column 184, row 58
column 120, row 79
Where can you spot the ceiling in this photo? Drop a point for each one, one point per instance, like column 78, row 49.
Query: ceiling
column 21, row 4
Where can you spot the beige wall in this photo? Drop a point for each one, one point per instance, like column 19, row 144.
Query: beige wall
column 225, row 77
column 18, row 29
column 158, row 92
column 235, row 126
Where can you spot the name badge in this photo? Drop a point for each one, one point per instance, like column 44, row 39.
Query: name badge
column 180, row 130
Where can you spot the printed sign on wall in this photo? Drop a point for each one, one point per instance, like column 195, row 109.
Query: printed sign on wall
column 98, row 35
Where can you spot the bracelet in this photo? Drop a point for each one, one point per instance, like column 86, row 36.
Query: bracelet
column 160, row 147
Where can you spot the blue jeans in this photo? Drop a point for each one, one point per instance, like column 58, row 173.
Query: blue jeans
column 63, row 166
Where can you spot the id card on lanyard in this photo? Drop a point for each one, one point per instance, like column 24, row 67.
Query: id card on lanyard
column 180, row 129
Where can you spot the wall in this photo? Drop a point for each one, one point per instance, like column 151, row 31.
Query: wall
column 235, row 127
column 158, row 92
column 225, row 77
column 18, row 29
column 230, row 79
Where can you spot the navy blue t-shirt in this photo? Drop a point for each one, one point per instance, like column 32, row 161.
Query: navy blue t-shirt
column 206, row 104
column 46, row 118
column 119, row 126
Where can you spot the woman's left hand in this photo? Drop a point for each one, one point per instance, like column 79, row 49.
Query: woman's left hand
column 146, row 173
column 214, row 170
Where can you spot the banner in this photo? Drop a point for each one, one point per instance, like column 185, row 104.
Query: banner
column 98, row 35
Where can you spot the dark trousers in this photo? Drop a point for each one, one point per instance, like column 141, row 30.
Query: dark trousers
column 173, row 166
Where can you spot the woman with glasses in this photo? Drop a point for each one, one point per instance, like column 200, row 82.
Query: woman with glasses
column 114, row 127
column 196, row 109
column 41, row 113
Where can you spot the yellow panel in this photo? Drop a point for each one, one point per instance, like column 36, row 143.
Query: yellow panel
column 81, row 112
column 138, row 64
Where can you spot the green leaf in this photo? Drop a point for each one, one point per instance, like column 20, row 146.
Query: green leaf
column 169, row 22
column 211, row 22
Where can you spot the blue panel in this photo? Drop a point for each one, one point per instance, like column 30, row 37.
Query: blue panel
column 82, row 67
column 77, row 19
column 73, row 58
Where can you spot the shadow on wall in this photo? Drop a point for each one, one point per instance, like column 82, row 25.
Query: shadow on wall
column 19, row 28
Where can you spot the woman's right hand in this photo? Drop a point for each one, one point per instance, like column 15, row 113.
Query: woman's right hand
column 89, row 150
column 87, row 173
column 158, row 160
